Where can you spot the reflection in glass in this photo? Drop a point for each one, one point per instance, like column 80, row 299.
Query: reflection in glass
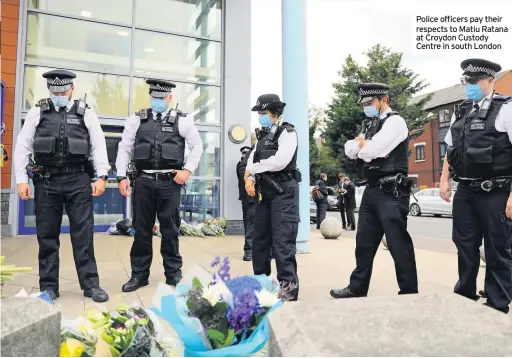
column 210, row 160
column 61, row 42
column 200, row 18
column 203, row 102
column 161, row 55
column 112, row 147
column 111, row 10
column 202, row 200
column 107, row 95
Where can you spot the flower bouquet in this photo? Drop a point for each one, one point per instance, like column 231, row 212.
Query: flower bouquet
column 221, row 316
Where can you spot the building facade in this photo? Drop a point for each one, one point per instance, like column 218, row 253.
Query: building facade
column 428, row 150
column 113, row 46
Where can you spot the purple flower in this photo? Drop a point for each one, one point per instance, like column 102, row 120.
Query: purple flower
column 215, row 261
column 245, row 302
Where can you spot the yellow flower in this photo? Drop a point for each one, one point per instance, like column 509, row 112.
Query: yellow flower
column 71, row 348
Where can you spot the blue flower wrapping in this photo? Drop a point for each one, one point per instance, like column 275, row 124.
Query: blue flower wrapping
column 173, row 310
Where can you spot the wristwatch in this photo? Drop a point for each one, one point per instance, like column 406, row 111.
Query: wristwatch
column 119, row 179
column 104, row 177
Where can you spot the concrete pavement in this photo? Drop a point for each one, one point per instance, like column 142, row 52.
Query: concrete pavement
column 328, row 265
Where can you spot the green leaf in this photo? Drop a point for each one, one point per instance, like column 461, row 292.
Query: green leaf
column 223, row 326
column 229, row 339
column 221, row 307
column 196, row 283
column 216, row 336
column 122, row 319
column 114, row 352
column 107, row 338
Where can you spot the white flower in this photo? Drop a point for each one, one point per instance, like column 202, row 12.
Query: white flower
column 212, row 295
column 266, row 299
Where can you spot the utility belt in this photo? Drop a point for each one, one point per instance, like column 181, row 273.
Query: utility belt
column 391, row 183
column 487, row 185
column 37, row 172
column 157, row 176
column 274, row 180
column 282, row 177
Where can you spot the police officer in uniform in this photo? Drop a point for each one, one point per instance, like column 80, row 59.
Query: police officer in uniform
column 62, row 135
column 479, row 150
column 273, row 178
column 382, row 150
column 157, row 136
column 247, row 202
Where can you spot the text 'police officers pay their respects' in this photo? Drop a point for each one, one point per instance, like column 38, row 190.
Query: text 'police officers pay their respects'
column 63, row 135
column 479, row 152
column 382, row 151
column 158, row 137
column 273, row 178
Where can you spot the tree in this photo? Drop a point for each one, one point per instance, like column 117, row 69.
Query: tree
column 110, row 96
column 344, row 115
column 313, row 151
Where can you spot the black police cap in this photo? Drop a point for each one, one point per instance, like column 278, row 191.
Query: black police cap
column 245, row 149
column 368, row 91
column 159, row 88
column 476, row 67
column 268, row 101
column 59, row 80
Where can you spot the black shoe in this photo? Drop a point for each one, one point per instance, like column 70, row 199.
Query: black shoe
column 482, row 293
column 52, row 294
column 344, row 293
column 96, row 293
column 247, row 257
column 173, row 280
column 134, row 284
column 504, row 310
column 344, row 228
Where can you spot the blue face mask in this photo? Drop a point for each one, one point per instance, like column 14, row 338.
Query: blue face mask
column 60, row 101
column 158, row 105
column 370, row 111
column 265, row 120
column 474, row 92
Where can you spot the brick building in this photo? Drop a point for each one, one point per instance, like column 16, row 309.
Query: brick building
column 428, row 150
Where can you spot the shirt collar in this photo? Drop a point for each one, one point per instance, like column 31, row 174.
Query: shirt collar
column 68, row 106
column 383, row 114
column 489, row 96
column 164, row 113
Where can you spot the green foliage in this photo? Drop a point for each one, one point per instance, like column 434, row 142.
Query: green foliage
column 344, row 115
column 313, row 151
column 196, row 283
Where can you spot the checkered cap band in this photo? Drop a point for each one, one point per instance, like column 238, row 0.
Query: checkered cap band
column 472, row 68
column 375, row 92
column 157, row 94
column 160, row 88
column 59, row 81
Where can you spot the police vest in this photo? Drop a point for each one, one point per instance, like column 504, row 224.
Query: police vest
column 268, row 145
column 396, row 162
column 158, row 144
column 479, row 150
column 61, row 138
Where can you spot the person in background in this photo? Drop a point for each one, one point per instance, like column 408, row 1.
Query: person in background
column 247, row 202
column 321, row 204
column 350, row 202
column 341, row 200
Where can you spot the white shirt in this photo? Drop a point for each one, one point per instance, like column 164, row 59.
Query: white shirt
column 187, row 130
column 393, row 132
column 25, row 143
column 287, row 143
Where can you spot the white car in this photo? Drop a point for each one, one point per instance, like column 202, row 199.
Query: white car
column 429, row 202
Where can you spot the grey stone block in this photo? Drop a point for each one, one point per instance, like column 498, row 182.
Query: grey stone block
column 408, row 325
column 5, row 230
column 30, row 328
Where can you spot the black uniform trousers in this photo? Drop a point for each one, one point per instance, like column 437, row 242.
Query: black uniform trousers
column 275, row 229
column 342, row 213
column 351, row 219
column 382, row 213
column 75, row 192
column 156, row 198
column 248, row 208
column 478, row 214
column 321, row 212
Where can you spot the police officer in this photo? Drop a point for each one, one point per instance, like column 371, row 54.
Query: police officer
column 62, row 135
column 382, row 149
column 157, row 136
column 272, row 177
column 479, row 150
column 321, row 204
column 247, row 202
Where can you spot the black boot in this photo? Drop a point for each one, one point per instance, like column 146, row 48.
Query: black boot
column 134, row 284
column 52, row 294
column 174, row 279
column 344, row 293
column 247, row 256
column 482, row 293
column 96, row 293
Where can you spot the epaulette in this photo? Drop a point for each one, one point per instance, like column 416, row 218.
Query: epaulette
column 392, row 113
column 289, row 127
column 143, row 114
column 501, row 98
column 44, row 104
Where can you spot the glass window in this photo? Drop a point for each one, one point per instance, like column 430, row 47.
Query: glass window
column 201, row 200
column 203, row 102
column 112, row 147
column 200, row 18
column 110, row 10
column 160, row 55
column 106, row 95
column 420, row 152
column 444, row 117
column 59, row 42
column 210, row 160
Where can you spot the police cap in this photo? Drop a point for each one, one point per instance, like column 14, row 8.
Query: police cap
column 368, row 91
column 244, row 150
column 160, row 88
column 268, row 102
column 59, row 80
column 476, row 67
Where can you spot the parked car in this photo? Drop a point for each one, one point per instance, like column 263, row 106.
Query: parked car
column 312, row 211
column 429, row 202
column 332, row 198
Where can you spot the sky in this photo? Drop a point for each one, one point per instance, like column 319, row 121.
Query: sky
column 338, row 28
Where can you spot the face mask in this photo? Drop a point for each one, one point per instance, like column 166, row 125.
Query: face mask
column 474, row 92
column 265, row 120
column 60, row 101
column 371, row 111
column 158, row 105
